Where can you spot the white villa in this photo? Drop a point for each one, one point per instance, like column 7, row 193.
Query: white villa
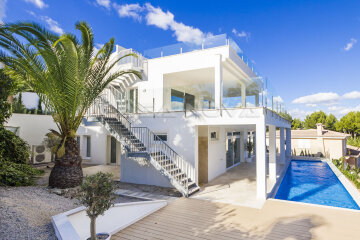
column 189, row 119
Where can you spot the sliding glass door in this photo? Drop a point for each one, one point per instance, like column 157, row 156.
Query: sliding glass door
column 232, row 149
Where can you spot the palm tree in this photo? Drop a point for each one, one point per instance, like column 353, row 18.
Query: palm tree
column 67, row 75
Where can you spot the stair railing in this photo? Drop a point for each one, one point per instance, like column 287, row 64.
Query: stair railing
column 105, row 108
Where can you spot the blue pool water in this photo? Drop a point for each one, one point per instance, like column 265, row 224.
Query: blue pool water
column 314, row 182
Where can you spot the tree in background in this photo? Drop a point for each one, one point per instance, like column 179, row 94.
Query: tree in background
column 350, row 123
column 39, row 107
column 314, row 118
column 7, row 88
column 296, row 124
column 330, row 122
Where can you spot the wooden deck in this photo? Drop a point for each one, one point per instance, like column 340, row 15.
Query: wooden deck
column 201, row 220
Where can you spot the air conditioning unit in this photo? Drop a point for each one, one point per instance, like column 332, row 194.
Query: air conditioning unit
column 41, row 154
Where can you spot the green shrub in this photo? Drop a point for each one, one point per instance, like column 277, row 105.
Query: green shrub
column 17, row 174
column 351, row 176
column 14, row 153
column 353, row 141
column 12, row 147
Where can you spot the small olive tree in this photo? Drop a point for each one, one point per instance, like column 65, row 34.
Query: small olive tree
column 96, row 194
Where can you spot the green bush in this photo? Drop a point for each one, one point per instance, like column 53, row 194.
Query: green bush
column 12, row 147
column 339, row 163
column 17, row 174
column 14, row 153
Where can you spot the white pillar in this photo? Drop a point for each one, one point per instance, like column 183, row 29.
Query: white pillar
column 261, row 160
column 272, row 152
column 218, row 82
column 282, row 146
column 288, row 144
column 243, row 95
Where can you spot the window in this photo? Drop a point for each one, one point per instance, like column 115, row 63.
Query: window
column 214, row 135
column 88, row 146
column 160, row 136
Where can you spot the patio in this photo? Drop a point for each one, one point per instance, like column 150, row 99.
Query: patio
column 237, row 186
column 197, row 219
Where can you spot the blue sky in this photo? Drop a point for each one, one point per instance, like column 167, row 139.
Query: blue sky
column 309, row 50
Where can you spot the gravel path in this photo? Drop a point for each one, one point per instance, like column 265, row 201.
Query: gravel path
column 25, row 212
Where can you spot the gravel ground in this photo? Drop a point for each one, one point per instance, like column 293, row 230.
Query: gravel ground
column 25, row 212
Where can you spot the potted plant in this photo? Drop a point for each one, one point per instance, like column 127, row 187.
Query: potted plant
column 249, row 148
column 96, row 194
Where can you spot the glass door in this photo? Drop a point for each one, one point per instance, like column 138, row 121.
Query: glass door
column 133, row 100
column 113, row 150
column 232, row 149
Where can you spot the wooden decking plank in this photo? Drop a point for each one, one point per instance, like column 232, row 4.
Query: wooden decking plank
column 195, row 219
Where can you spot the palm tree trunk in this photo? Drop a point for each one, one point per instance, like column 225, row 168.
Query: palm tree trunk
column 67, row 171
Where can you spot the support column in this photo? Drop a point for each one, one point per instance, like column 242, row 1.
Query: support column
column 272, row 152
column 257, row 100
column 288, row 144
column 218, row 82
column 261, row 160
column 243, row 95
column 282, row 146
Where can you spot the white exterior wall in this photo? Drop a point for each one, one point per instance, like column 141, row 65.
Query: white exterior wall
column 32, row 128
column 182, row 137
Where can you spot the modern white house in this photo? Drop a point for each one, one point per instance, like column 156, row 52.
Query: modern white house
column 187, row 121
column 189, row 118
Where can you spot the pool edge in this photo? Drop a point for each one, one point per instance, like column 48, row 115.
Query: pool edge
column 349, row 187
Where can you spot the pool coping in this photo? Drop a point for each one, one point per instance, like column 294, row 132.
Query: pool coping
column 350, row 188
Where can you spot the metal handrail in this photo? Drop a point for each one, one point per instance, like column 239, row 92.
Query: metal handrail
column 142, row 139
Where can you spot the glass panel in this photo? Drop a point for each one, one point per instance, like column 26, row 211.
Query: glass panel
column 229, row 153
column 177, row 100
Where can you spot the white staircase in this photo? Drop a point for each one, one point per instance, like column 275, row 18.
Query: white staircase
column 141, row 142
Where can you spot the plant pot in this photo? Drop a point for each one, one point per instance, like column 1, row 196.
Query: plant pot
column 106, row 236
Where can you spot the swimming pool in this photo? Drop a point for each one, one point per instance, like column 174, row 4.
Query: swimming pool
column 314, row 182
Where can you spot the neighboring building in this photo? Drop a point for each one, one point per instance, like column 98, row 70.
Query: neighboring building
column 188, row 120
column 319, row 142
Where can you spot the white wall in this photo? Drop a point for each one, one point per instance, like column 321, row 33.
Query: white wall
column 32, row 128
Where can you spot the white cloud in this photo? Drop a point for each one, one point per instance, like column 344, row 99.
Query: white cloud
column 352, row 95
column 318, row 98
column 2, row 10
column 350, row 44
column 53, row 25
column 129, row 10
column 38, row 3
column 241, row 34
column 299, row 113
column 311, row 105
column 278, row 99
column 342, row 110
column 104, row 3
column 155, row 16
column 184, row 33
